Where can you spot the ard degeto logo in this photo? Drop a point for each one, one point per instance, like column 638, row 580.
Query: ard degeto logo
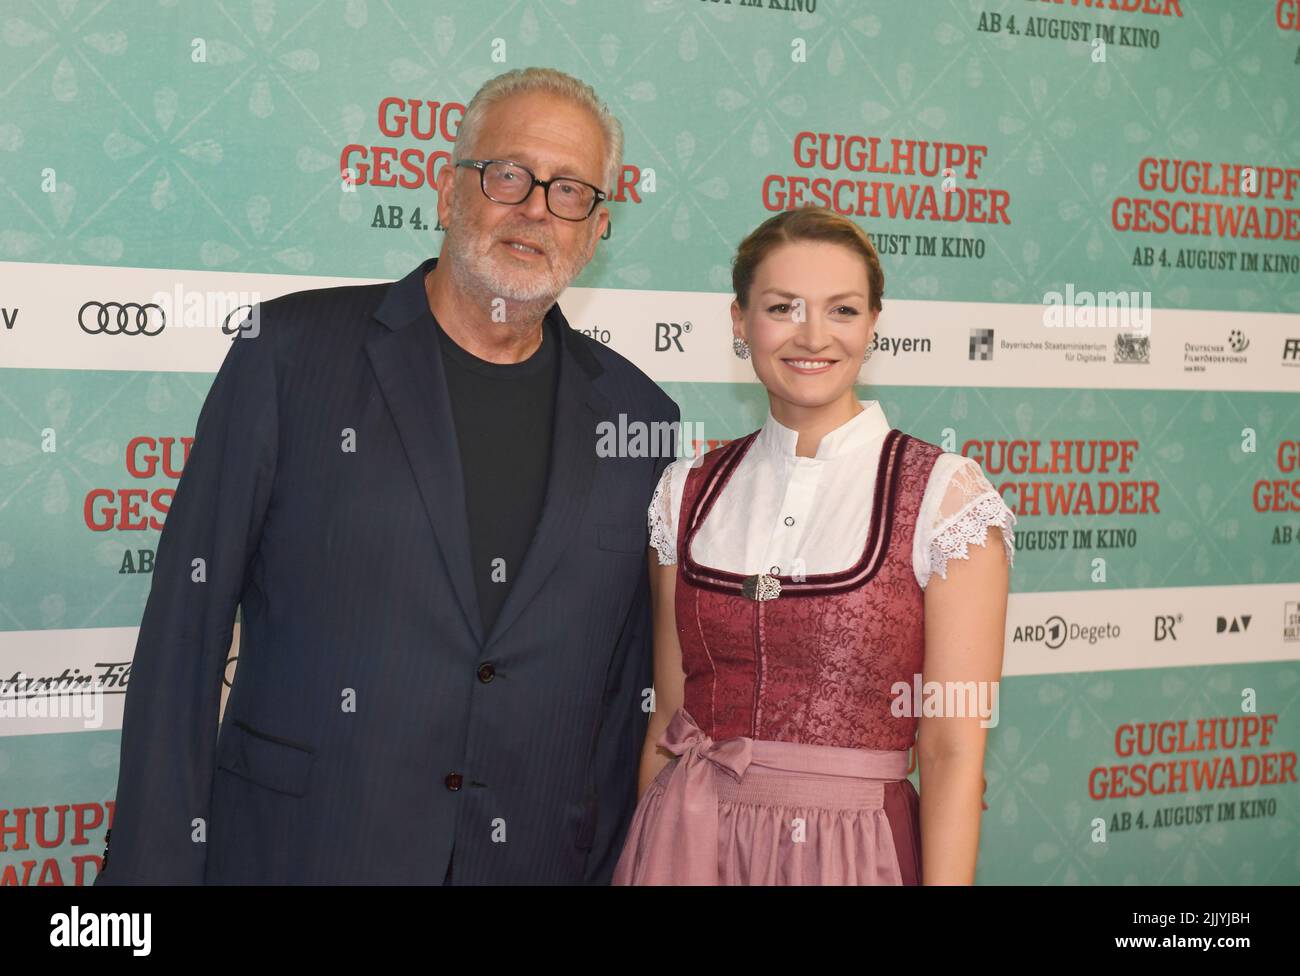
column 1055, row 631
column 121, row 318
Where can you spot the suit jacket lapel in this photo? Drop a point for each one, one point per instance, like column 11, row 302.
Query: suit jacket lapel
column 408, row 367
column 579, row 407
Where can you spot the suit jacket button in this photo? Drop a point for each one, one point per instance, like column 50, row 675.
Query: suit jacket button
column 453, row 781
column 486, row 672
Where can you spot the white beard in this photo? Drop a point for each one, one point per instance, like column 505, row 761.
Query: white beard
column 477, row 271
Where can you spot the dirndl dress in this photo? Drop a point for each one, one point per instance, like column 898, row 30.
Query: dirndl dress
column 790, row 766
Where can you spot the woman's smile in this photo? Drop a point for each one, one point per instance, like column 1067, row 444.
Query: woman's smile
column 810, row 366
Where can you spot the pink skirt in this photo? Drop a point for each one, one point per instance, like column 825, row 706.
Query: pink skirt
column 754, row 812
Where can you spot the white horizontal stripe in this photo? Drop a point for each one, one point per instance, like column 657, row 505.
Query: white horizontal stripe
column 1134, row 611
column 694, row 341
column 1194, row 643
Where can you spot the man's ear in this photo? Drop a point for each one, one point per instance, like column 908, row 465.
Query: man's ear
column 446, row 186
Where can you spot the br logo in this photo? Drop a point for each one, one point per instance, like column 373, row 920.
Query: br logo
column 668, row 334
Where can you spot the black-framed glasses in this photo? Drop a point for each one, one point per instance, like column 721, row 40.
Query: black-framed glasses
column 505, row 181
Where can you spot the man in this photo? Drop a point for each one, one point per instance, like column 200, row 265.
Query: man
column 446, row 633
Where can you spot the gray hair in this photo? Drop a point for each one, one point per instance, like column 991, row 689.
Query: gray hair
column 520, row 81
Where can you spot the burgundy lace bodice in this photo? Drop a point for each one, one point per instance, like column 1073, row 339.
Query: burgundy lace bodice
column 818, row 663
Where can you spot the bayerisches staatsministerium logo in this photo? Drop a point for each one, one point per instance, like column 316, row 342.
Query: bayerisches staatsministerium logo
column 1132, row 348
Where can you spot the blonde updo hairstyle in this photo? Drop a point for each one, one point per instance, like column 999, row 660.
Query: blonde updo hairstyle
column 810, row 223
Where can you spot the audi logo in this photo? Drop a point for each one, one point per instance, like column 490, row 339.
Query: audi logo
column 122, row 318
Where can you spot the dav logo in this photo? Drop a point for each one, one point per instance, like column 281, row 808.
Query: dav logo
column 1232, row 625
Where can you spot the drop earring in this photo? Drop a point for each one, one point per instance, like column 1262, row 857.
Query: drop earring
column 740, row 347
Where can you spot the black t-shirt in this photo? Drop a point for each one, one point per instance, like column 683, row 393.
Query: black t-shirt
column 503, row 414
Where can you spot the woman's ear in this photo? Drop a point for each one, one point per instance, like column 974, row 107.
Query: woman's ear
column 871, row 328
column 737, row 320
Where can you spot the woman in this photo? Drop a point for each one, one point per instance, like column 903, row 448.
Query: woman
column 806, row 574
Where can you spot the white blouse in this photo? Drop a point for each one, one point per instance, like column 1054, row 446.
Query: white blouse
column 786, row 515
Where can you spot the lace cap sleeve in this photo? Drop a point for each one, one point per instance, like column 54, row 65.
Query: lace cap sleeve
column 958, row 511
column 663, row 516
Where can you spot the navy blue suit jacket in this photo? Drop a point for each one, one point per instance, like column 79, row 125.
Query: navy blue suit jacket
column 363, row 739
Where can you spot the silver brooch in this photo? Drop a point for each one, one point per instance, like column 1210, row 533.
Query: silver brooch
column 761, row 587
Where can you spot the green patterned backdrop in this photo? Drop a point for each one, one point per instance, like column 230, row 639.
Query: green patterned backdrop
column 153, row 144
